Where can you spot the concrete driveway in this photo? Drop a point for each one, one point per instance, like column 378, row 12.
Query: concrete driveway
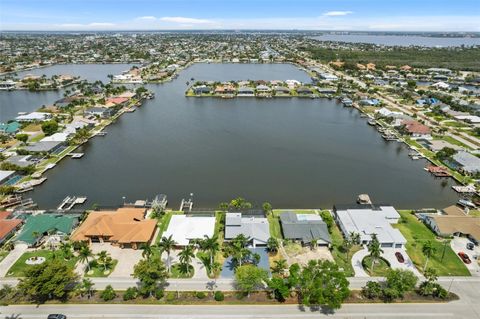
column 127, row 258
column 389, row 255
column 459, row 244
column 11, row 258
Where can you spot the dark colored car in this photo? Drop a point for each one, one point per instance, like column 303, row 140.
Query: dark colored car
column 56, row 316
column 464, row 257
column 470, row 246
column 399, row 257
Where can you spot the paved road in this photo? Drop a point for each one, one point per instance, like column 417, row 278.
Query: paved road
column 437, row 311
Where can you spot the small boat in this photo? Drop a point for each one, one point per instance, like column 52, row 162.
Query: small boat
column 466, row 203
column 372, row 122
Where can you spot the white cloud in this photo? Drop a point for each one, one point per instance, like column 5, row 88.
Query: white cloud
column 185, row 20
column 101, row 24
column 146, row 18
column 337, row 13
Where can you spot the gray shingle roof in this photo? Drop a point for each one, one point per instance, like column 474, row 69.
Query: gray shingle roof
column 306, row 230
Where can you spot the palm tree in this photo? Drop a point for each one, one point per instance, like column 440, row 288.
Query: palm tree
column 147, row 250
column 374, row 250
column 103, row 257
column 428, row 250
column 83, row 255
column 210, row 245
column 166, row 244
column 239, row 252
column 186, row 256
column 256, row 258
column 215, row 268
column 66, row 249
column 280, row 266
column 272, row 244
column 87, row 286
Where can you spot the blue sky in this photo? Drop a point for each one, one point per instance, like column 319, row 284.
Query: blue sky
column 370, row 15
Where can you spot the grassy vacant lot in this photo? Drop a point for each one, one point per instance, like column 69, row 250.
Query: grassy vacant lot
column 416, row 234
column 20, row 266
column 453, row 141
column 380, row 269
column 98, row 270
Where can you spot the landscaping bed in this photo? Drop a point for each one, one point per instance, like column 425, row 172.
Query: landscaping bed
column 380, row 269
column 20, row 265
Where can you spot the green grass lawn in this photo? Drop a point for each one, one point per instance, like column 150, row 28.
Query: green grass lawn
column 99, row 271
column 177, row 273
column 453, row 141
column 341, row 257
column 17, row 270
column 380, row 269
column 454, row 124
column 274, row 225
column 416, row 234
column 3, row 254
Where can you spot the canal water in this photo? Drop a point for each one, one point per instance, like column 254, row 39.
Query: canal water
column 400, row 40
column 291, row 152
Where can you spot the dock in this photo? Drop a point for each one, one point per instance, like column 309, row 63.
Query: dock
column 186, row 205
column 76, row 155
column 101, row 133
column 464, row 189
column 70, row 201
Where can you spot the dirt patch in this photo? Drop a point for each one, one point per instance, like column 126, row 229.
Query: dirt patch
column 302, row 255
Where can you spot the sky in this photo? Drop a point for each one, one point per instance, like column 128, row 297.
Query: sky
column 356, row 15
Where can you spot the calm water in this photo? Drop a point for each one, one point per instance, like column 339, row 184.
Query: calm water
column 12, row 102
column 291, row 152
column 397, row 40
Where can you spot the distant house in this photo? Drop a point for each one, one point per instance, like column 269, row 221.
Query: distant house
column 185, row 229
column 8, row 225
column 469, row 163
column 7, row 176
column 101, row 112
column 22, row 160
column 34, row 116
column 417, row 129
column 201, row 89
column 281, row 90
column 367, row 220
column 305, row 228
column 262, row 88
column 116, row 101
column 254, row 227
column 125, row 227
column 10, row 127
column 452, row 221
column 64, row 102
column 245, row 91
column 56, row 137
column 369, row 102
column 304, row 90
column 45, row 147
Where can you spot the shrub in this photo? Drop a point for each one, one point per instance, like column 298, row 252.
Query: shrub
column 108, row 294
column 130, row 293
column 159, row 293
column 200, row 295
column 219, row 296
column 372, row 290
column 170, row 296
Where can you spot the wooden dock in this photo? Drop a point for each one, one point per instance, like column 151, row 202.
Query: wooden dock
column 70, row 201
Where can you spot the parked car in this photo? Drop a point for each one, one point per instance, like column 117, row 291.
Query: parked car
column 470, row 246
column 399, row 257
column 56, row 316
column 464, row 257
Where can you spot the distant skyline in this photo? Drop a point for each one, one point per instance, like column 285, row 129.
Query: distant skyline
column 352, row 15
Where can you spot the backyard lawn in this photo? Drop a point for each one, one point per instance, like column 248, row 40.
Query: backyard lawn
column 416, row 234
column 20, row 266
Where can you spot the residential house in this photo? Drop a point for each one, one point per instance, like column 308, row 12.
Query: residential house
column 96, row 111
column 34, row 117
column 45, row 147
column 6, row 177
column 469, row 163
column 186, row 228
column 251, row 224
column 367, row 220
column 416, row 129
column 125, row 227
column 10, row 128
column 8, row 225
column 305, row 228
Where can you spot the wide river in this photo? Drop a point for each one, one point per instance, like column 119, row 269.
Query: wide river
column 400, row 40
column 292, row 152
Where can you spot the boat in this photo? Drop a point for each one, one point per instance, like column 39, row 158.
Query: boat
column 466, row 203
column 372, row 122
column 50, row 166
column 76, row 155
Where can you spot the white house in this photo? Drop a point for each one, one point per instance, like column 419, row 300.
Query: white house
column 185, row 228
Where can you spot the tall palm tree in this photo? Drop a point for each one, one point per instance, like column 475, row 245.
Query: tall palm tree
column 87, row 286
column 166, row 244
column 210, row 245
column 239, row 253
column 272, row 245
column 374, row 250
column 186, row 256
column 280, row 266
column 103, row 259
column 428, row 250
column 147, row 250
column 83, row 255
column 66, row 249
